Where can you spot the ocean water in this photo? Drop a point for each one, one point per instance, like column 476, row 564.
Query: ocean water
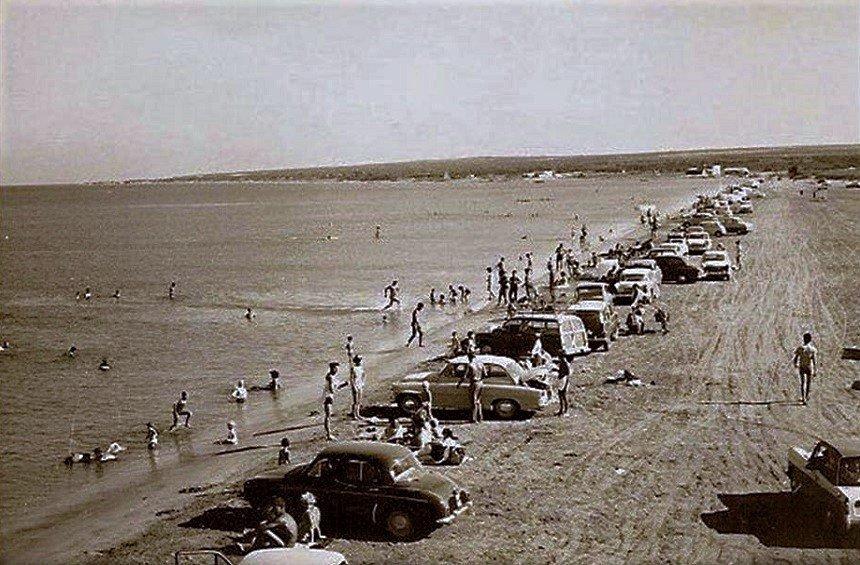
column 302, row 255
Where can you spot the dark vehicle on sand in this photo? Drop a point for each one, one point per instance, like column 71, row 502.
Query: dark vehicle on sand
column 828, row 477
column 601, row 322
column 676, row 269
column 366, row 482
column 559, row 333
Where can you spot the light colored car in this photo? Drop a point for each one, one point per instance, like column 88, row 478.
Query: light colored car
column 713, row 228
column 716, row 264
column 515, row 337
column 635, row 285
column 600, row 319
column 745, row 208
column 698, row 243
column 829, row 475
column 506, row 391
column 296, row 555
column 679, row 244
column 649, row 264
column 589, row 290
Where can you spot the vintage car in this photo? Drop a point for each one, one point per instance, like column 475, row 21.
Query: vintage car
column 587, row 290
column 636, row 285
column 716, row 264
column 560, row 334
column 601, row 322
column 735, row 226
column 676, row 269
column 673, row 247
column 606, row 271
column 365, row 482
column 296, row 555
column 698, row 243
column 713, row 228
column 649, row 264
column 509, row 390
column 745, row 208
column 830, row 476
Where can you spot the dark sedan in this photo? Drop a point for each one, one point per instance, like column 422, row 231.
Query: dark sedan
column 363, row 482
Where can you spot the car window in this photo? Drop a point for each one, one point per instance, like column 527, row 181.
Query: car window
column 322, row 468
column 535, row 325
column 552, row 325
column 357, row 472
column 496, row 374
column 459, row 371
column 849, row 474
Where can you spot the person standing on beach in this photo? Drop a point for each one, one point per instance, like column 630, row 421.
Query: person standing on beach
column 559, row 256
column 390, row 293
column 356, row 385
column 416, row 327
column 490, row 294
column 471, row 344
column 454, row 347
column 514, row 284
column 500, row 266
column 662, row 318
column 350, row 349
column 476, row 386
column 738, row 253
column 503, row 289
column 171, row 291
column 180, row 408
column 563, row 384
column 377, row 235
column 452, row 293
column 329, row 388
column 432, row 297
column 151, row 436
column 806, row 361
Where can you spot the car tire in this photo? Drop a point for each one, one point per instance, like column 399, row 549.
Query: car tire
column 408, row 403
column 506, row 409
column 400, row 524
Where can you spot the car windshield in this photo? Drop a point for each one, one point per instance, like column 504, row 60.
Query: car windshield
column 515, row 370
column 713, row 256
column 849, row 475
column 632, row 277
column 404, row 467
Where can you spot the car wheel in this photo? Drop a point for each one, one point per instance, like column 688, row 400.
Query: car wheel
column 400, row 524
column 506, row 409
column 408, row 403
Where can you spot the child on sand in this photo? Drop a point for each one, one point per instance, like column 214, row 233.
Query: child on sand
column 232, row 436
column 240, row 393
column 151, row 436
column 284, row 452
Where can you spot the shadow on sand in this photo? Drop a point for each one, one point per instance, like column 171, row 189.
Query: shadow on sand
column 776, row 519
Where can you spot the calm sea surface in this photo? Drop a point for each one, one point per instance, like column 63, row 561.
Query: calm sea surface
column 303, row 256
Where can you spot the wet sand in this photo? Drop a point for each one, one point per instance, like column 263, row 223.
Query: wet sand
column 201, row 343
column 689, row 470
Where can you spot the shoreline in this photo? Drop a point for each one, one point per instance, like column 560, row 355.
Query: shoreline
column 132, row 501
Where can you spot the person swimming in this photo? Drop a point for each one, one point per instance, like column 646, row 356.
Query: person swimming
column 104, row 365
column 240, row 393
column 151, row 436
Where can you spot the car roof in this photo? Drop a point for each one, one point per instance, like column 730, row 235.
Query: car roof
column 497, row 359
column 388, row 452
column 649, row 262
column 635, row 271
column 847, row 447
column 589, row 305
column 296, row 555
column 535, row 316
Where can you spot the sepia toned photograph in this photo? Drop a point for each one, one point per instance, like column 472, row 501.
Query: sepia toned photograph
column 299, row 282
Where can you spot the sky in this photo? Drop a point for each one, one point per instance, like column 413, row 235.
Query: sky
column 113, row 90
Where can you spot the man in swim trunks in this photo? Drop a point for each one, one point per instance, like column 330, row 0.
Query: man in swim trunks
column 356, row 383
column 390, row 293
column 806, row 361
column 416, row 326
column 180, row 408
column 490, row 294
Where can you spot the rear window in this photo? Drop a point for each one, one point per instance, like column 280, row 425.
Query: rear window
column 849, row 474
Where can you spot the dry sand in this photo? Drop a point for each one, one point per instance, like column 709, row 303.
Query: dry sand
column 689, row 470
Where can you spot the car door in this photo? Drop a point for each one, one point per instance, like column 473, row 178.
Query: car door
column 450, row 388
column 353, row 485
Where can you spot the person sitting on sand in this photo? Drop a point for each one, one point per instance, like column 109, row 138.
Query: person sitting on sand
column 284, row 452
column 232, row 435
column 180, row 408
column 394, row 431
column 104, row 365
column 151, row 436
column 277, row 529
column 116, row 294
column 240, row 393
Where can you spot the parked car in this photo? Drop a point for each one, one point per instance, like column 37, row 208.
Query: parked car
column 634, row 285
column 365, row 482
column 600, row 319
column 509, row 390
column 588, row 290
column 671, row 247
column 713, row 228
column 676, row 269
column 698, row 243
column 560, row 334
column 830, row 476
column 606, row 271
column 680, row 242
column 649, row 264
column 716, row 264
column 735, row 226
column 296, row 555
column 745, row 208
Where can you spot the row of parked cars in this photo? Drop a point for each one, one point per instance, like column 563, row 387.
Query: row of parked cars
column 386, row 486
